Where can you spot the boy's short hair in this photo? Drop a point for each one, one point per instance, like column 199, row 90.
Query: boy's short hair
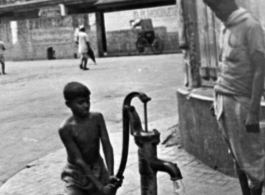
column 74, row 90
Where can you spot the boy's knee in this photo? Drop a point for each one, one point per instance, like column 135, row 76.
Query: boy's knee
column 73, row 190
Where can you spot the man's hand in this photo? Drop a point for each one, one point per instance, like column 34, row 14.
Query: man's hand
column 116, row 181
column 252, row 123
column 109, row 189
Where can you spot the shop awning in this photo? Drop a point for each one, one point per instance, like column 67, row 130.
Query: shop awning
column 118, row 5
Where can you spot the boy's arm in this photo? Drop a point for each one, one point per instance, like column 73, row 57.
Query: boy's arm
column 106, row 145
column 75, row 154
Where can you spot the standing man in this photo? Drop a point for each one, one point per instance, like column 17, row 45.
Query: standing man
column 83, row 47
column 238, row 91
column 2, row 57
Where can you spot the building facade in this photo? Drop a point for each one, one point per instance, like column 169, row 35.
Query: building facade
column 32, row 39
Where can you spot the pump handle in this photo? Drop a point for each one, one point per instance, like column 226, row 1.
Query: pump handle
column 126, row 127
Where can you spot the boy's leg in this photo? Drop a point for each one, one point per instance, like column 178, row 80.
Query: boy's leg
column 246, row 148
column 3, row 68
column 85, row 62
column 81, row 62
column 257, row 190
column 73, row 190
column 2, row 61
column 242, row 179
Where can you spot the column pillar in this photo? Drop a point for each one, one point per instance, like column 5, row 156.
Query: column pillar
column 101, row 34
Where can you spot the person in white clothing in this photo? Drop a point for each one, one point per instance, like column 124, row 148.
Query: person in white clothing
column 83, row 46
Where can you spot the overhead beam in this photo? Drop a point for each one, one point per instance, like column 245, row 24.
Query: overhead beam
column 78, row 6
column 34, row 5
column 119, row 5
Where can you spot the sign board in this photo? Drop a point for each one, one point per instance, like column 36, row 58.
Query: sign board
column 53, row 11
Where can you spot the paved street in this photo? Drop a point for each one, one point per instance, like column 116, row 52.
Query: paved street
column 32, row 108
column 32, row 105
column 42, row 177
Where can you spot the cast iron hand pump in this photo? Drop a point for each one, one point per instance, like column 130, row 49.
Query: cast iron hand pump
column 146, row 141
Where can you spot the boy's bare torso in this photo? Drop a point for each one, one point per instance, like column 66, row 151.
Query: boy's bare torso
column 86, row 136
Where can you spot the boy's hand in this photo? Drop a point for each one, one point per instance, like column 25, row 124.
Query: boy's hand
column 109, row 189
column 116, row 181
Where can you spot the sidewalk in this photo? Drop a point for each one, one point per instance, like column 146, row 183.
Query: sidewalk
column 42, row 177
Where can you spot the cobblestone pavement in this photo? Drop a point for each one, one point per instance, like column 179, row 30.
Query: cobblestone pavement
column 42, row 177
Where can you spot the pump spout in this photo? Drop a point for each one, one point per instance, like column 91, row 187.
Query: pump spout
column 168, row 167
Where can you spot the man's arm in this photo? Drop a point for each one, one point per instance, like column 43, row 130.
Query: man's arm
column 75, row 154
column 106, row 145
column 255, row 43
column 258, row 60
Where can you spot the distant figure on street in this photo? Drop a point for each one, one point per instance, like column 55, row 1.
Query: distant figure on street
column 81, row 134
column 2, row 57
column 83, row 47
column 238, row 91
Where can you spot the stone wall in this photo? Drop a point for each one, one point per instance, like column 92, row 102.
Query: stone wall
column 199, row 132
column 30, row 39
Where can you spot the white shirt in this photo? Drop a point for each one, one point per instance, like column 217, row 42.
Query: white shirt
column 82, row 42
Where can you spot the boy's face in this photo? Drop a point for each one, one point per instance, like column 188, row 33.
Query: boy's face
column 80, row 106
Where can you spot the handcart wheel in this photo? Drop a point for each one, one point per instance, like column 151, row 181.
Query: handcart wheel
column 141, row 44
column 157, row 45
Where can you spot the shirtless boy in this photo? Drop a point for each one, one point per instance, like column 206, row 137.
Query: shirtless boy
column 81, row 134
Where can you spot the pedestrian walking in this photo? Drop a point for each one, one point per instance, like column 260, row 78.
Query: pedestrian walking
column 238, row 91
column 83, row 47
column 2, row 57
